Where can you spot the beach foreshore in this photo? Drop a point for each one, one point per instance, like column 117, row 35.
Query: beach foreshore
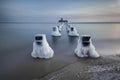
column 103, row 68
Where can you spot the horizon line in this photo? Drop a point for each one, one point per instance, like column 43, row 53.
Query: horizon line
column 110, row 22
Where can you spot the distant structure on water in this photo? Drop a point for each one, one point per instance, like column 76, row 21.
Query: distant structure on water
column 63, row 21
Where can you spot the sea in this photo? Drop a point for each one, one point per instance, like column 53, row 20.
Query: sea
column 16, row 43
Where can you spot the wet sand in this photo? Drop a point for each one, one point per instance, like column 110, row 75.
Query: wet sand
column 103, row 68
column 16, row 62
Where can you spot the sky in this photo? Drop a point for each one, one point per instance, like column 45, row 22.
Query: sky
column 53, row 10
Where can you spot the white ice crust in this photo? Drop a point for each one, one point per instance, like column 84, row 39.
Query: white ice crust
column 42, row 51
column 56, row 32
column 72, row 33
column 60, row 26
column 82, row 51
column 68, row 28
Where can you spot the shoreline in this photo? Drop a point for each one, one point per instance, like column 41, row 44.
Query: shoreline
column 103, row 68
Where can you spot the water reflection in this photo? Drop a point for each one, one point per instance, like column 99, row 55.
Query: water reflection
column 72, row 39
column 55, row 40
column 46, row 64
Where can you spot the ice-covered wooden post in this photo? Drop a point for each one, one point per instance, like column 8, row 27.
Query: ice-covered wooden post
column 41, row 48
column 85, row 48
column 55, row 31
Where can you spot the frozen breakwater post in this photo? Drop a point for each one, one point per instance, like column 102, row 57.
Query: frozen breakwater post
column 72, row 31
column 41, row 48
column 85, row 48
column 55, row 31
column 62, row 23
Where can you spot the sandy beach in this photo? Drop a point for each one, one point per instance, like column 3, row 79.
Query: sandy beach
column 103, row 68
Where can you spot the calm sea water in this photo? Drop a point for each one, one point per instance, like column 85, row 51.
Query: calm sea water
column 106, row 37
column 16, row 46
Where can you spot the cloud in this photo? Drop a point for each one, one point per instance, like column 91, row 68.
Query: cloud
column 44, row 10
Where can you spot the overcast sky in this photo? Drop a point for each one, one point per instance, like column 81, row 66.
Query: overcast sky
column 53, row 10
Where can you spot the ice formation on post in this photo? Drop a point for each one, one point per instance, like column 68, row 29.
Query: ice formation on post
column 41, row 48
column 68, row 28
column 85, row 48
column 60, row 27
column 72, row 31
column 62, row 23
column 55, row 32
